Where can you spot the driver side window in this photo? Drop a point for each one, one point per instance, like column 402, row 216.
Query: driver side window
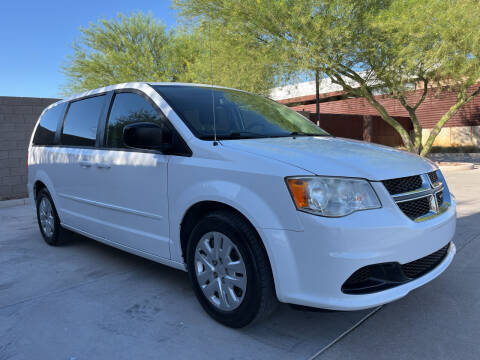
column 129, row 108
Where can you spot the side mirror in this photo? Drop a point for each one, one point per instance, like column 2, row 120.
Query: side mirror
column 148, row 136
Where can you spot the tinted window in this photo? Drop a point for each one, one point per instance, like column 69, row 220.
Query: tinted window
column 237, row 114
column 80, row 127
column 129, row 108
column 45, row 134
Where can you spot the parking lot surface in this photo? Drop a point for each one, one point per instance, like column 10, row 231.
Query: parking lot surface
column 85, row 300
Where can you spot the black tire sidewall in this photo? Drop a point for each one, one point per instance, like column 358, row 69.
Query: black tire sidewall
column 248, row 310
column 54, row 238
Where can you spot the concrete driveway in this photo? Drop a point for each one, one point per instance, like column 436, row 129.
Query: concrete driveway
column 89, row 301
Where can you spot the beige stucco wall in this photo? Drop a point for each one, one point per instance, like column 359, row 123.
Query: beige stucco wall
column 455, row 136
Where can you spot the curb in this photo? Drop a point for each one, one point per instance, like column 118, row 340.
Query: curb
column 473, row 155
column 14, row 202
column 459, row 167
column 455, row 157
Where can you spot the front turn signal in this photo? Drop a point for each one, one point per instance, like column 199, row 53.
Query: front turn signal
column 298, row 189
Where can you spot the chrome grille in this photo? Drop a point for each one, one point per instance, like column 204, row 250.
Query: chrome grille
column 419, row 197
column 415, row 208
column 433, row 177
column 403, row 185
column 440, row 198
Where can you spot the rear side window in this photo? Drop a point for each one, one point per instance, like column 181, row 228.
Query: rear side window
column 80, row 127
column 129, row 108
column 45, row 134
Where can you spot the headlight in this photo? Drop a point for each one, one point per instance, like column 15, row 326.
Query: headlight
column 332, row 196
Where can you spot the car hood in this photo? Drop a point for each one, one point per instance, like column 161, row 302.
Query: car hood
column 337, row 156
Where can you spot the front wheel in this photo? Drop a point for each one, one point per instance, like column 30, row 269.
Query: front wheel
column 229, row 270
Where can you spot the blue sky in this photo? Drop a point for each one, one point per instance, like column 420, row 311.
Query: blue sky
column 36, row 37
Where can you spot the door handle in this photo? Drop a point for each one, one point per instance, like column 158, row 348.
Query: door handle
column 104, row 166
column 85, row 164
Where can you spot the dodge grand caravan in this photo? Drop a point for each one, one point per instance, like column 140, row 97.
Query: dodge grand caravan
column 256, row 202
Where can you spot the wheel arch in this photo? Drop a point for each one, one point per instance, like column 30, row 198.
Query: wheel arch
column 41, row 180
column 37, row 186
column 200, row 209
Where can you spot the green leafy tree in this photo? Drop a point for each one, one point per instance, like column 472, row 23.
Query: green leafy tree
column 139, row 48
column 129, row 48
column 410, row 44
column 367, row 47
column 241, row 62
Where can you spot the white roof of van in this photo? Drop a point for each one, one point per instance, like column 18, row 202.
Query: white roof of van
column 133, row 85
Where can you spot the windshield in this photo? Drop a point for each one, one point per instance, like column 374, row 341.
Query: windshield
column 238, row 115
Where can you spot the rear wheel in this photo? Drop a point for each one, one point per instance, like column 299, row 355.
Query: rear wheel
column 229, row 270
column 48, row 219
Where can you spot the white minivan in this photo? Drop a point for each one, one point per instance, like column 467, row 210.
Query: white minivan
column 256, row 202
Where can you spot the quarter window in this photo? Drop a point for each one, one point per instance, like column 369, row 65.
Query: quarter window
column 46, row 129
column 80, row 127
column 129, row 108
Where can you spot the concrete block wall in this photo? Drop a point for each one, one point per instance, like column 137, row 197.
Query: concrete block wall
column 18, row 116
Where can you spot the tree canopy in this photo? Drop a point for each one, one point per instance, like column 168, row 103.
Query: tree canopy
column 368, row 47
column 434, row 45
column 130, row 48
column 139, row 48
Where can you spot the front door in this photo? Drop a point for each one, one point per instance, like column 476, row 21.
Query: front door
column 132, row 184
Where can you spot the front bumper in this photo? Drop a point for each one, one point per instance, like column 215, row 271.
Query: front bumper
column 310, row 266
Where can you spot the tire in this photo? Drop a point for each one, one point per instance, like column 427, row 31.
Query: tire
column 254, row 299
column 48, row 220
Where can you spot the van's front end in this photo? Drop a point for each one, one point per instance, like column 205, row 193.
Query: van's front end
column 366, row 243
column 374, row 222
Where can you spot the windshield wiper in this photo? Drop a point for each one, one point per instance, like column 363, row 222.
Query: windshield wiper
column 242, row 135
column 248, row 133
column 233, row 135
column 299, row 133
column 253, row 135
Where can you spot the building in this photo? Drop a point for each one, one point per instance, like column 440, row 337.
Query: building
column 356, row 118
